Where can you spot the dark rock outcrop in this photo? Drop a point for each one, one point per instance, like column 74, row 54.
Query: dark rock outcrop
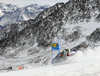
column 95, row 36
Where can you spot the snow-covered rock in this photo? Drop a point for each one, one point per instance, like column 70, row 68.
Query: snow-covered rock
column 13, row 14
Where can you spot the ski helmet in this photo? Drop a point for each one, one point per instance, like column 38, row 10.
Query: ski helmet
column 74, row 50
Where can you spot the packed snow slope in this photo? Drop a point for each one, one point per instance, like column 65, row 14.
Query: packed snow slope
column 85, row 63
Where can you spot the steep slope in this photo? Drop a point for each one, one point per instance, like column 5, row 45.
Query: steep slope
column 94, row 37
column 71, row 22
column 10, row 14
column 83, row 63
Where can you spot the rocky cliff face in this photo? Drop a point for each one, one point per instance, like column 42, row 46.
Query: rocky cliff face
column 95, row 36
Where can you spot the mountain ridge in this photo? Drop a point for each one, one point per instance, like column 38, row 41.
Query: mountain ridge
column 14, row 14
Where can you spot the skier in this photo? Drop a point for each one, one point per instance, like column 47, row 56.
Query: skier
column 68, row 52
column 71, row 53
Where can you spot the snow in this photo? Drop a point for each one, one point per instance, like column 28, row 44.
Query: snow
column 10, row 13
column 25, row 17
column 85, row 63
column 1, row 13
column 29, row 55
column 84, row 28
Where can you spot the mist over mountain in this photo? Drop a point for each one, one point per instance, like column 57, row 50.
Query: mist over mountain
column 75, row 23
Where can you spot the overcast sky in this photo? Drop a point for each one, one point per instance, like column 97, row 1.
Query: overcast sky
column 28, row 2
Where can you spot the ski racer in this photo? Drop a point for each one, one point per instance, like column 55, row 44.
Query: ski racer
column 68, row 52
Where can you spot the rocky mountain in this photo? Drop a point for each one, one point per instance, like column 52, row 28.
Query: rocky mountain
column 13, row 14
column 4, row 8
column 75, row 23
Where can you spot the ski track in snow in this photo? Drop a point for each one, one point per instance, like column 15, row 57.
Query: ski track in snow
column 85, row 63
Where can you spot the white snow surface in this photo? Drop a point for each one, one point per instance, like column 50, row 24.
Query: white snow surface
column 25, row 17
column 1, row 13
column 85, row 63
column 84, row 28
